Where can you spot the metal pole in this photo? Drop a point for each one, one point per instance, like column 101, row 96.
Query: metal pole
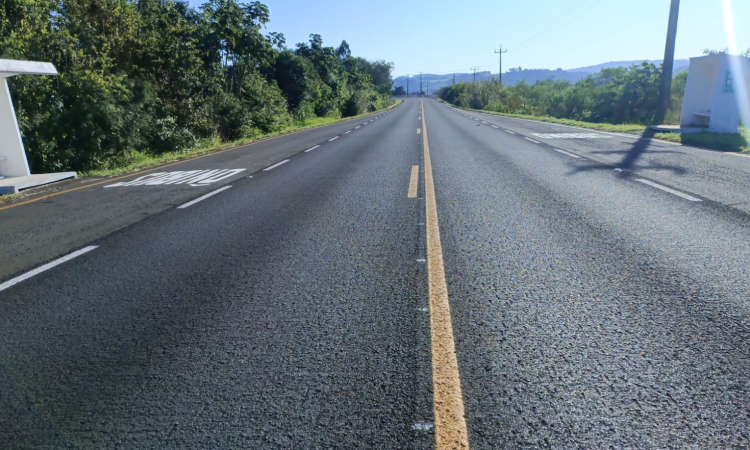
column 668, row 64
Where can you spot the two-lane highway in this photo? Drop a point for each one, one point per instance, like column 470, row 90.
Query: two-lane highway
column 430, row 279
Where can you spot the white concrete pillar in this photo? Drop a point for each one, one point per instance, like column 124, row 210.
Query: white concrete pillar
column 11, row 145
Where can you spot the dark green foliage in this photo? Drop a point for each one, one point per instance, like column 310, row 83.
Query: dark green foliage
column 617, row 95
column 158, row 76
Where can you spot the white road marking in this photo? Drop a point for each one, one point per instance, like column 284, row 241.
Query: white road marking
column 671, row 191
column 477, row 120
column 531, row 140
column 495, row 126
column 204, row 197
column 275, row 165
column 566, row 153
column 358, row 127
column 421, row 260
column 484, row 122
column 45, row 267
column 311, row 148
column 333, row 139
column 348, row 132
column 511, row 132
column 570, row 136
column 423, row 426
column 739, row 154
column 193, row 178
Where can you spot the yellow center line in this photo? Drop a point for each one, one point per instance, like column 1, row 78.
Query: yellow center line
column 450, row 423
column 413, row 182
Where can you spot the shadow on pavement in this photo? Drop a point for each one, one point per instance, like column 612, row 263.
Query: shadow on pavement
column 631, row 157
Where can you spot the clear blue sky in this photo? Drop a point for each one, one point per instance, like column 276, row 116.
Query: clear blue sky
column 447, row 36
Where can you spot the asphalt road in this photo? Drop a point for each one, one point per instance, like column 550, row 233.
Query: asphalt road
column 590, row 307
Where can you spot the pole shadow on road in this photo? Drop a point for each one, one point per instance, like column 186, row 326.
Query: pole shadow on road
column 632, row 156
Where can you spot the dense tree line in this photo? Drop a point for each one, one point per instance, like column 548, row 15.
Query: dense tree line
column 159, row 76
column 617, row 95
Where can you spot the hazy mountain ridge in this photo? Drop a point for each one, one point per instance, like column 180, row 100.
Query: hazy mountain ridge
column 433, row 82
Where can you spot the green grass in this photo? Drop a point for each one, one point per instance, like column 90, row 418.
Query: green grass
column 142, row 160
column 9, row 198
column 737, row 142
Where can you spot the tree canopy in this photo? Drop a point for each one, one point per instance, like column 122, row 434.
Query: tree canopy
column 160, row 76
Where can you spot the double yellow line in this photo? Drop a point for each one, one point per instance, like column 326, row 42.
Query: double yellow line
column 450, row 421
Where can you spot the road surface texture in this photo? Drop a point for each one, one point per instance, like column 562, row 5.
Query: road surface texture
column 597, row 288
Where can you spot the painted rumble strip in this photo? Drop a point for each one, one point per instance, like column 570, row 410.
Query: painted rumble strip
column 448, row 404
column 671, row 191
column 195, row 178
column 46, row 267
column 201, row 198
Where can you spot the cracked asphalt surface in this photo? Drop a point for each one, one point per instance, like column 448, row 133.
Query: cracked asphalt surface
column 289, row 311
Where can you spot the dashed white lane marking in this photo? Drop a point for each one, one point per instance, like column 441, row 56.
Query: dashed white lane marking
column 200, row 199
column 531, row 140
column 511, row 132
column 311, row 148
column 275, row 165
column 348, row 132
column 193, row 178
column 570, row 136
column 495, row 126
column 484, row 122
column 671, row 191
column 477, row 120
column 565, row 153
column 358, row 127
column 333, row 139
column 45, row 267
column 421, row 260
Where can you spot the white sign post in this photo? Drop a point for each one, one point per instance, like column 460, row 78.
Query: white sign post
column 14, row 168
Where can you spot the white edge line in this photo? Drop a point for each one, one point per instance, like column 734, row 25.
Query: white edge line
column 739, row 154
column 311, row 148
column 47, row 266
column 671, row 191
column 275, row 165
column 531, row 140
column 204, row 197
column 329, row 140
column 566, row 153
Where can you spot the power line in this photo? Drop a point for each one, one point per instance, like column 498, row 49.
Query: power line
column 547, row 30
column 475, row 73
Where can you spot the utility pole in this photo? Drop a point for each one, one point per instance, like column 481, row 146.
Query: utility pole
column 500, row 71
column 407, row 85
column 428, row 88
column 668, row 64
column 420, row 83
column 454, row 79
column 475, row 73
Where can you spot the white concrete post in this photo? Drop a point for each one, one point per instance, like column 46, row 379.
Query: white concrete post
column 11, row 145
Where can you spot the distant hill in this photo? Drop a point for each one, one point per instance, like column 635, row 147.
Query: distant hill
column 679, row 65
column 513, row 76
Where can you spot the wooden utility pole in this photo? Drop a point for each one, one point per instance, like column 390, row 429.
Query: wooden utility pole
column 500, row 71
column 475, row 73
